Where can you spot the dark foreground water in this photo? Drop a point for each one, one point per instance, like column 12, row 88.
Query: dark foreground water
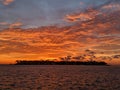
column 64, row 77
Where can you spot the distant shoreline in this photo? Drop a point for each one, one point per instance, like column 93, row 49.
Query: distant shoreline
column 94, row 63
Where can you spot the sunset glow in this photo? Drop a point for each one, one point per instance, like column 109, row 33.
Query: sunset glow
column 43, row 29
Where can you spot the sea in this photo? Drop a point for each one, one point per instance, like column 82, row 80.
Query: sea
column 59, row 77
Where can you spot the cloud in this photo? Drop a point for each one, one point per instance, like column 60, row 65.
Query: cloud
column 116, row 6
column 112, row 47
column 16, row 24
column 3, row 23
column 68, row 40
column 112, row 7
column 92, row 12
column 82, row 3
column 7, row 2
column 55, row 42
column 45, row 42
column 82, row 16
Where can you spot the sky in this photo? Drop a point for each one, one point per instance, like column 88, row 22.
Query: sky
column 47, row 29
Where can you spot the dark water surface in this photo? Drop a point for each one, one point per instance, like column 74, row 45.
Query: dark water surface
column 59, row 77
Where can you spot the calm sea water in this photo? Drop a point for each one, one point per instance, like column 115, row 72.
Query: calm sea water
column 59, row 77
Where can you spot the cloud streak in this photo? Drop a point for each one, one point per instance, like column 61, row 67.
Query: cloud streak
column 16, row 24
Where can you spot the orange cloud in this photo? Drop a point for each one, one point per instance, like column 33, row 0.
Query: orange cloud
column 83, row 16
column 7, row 2
column 16, row 24
column 48, row 43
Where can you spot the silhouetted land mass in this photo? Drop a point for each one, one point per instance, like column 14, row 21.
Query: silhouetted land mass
column 24, row 62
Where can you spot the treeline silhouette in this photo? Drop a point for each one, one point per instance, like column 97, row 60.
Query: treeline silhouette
column 25, row 62
column 69, row 60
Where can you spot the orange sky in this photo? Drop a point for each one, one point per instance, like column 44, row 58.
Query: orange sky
column 97, row 29
column 53, row 42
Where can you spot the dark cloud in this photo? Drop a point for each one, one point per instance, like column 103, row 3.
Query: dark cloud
column 104, row 47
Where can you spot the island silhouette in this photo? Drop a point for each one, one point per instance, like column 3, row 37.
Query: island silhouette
column 68, row 60
column 41, row 62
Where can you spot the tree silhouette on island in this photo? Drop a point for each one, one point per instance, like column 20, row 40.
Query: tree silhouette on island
column 25, row 62
column 68, row 60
